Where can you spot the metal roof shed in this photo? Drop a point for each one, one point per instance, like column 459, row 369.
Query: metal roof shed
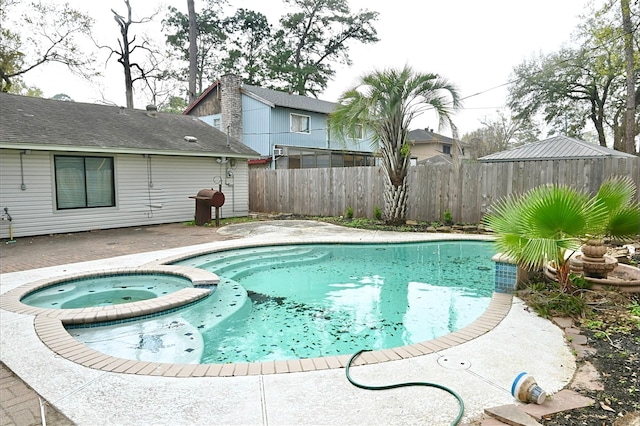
column 554, row 148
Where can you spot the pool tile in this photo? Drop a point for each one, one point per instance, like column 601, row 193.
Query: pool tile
column 125, row 366
column 173, row 370
column 467, row 333
column 367, row 357
column 255, row 368
column 99, row 360
column 294, row 365
column 429, row 347
column 342, row 360
column 390, row 354
column 378, row 356
column 268, row 367
column 72, row 351
column 226, row 370
column 200, row 370
column 459, row 339
column 307, row 364
column 187, row 370
column 115, row 363
column 320, row 363
column 442, row 344
column 138, row 367
column 241, row 369
column 80, row 354
column 403, row 352
column 213, row 370
column 161, row 369
column 87, row 358
column 446, row 340
column 281, row 367
column 146, row 370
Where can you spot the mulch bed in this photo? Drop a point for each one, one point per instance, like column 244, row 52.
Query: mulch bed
column 614, row 333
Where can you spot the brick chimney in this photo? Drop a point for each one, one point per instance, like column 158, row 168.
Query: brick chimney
column 231, row 105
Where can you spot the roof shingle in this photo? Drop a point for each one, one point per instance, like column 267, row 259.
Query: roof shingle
column 284, row 99
column 51, row 123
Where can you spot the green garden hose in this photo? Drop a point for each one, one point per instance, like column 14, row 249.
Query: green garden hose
column 401, row 385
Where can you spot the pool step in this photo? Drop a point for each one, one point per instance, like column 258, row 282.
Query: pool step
column 232, row 263
column 211, row 260
column 228, row 298
column 242, row 267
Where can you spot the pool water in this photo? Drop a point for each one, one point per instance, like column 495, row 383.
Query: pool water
column 302, row 301
column 105, row 290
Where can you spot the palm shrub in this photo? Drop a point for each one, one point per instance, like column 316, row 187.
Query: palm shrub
column 541, row 225
column 616, row 196
column 384, row 103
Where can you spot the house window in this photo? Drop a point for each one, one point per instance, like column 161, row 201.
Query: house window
column 83, row 182
column 446, row 149
column 299, row 123
column 357, row 132
column 217, row 123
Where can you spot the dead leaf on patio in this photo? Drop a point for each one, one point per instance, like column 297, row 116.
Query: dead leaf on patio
column 606, row 407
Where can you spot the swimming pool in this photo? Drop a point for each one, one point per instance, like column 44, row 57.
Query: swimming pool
column 302, row 301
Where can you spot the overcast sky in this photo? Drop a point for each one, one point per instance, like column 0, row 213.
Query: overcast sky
column 473, row 43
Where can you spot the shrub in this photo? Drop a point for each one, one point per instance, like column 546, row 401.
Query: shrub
column 349, row 214
column 377, row 213
column 448, row 218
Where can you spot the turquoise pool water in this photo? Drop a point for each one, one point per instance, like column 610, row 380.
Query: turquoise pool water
column 301, row 301
column 105, row 291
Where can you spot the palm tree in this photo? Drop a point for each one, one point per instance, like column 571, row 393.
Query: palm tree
column 543, row 224
column 385, row 102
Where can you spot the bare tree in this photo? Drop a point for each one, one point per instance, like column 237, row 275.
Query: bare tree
column 43, row 34
column 500, row 132
column 193, row 51
column 126, row 47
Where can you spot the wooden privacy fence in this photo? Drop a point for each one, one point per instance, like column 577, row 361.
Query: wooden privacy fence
column 433, row 189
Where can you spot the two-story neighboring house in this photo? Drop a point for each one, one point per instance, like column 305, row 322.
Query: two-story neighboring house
column 427, row 146
column 288, row 131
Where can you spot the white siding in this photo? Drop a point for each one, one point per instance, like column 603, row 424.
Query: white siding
column 174, row 180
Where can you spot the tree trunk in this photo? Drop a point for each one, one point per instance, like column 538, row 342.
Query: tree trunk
column 395, row 202
column 193, row 51
column 125, row 58
column 630, row 112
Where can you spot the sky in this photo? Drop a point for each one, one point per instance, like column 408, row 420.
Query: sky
column 475, row 44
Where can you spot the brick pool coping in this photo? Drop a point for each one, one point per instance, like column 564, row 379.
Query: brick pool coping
column 50, row 327
column 11, row 300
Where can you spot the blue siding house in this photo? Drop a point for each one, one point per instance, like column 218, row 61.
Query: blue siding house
column 288, row 131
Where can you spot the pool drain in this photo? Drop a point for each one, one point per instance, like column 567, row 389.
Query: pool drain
column 453, row 363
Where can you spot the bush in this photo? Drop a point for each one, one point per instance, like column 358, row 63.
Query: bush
column 349, row 214
column 377, row 213
column 448, row 218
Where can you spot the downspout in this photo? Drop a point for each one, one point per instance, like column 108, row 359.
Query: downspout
column 23, row 186
column 149, row 184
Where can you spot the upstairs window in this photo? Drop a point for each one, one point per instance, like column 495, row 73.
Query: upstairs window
column 357, row 132
column 84, row 182
column 446, row 149
column 299, row 123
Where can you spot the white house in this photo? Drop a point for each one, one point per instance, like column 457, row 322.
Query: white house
column 68, row 167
